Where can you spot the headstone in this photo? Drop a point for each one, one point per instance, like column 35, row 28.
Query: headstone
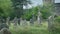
column 33, row 18
column 15, row 21
column 19, row 19
column 25, row 22
column 8, row 20
column 5, row 31
column 31, row 21
column 39, row 17
column 4, row 25
column 50, row 22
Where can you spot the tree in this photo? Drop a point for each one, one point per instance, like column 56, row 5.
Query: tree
column 18, row 6
column 5, row 9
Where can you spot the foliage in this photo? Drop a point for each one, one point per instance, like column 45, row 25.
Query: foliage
column 18, row 6
column 29, row 12
column 57, row 19
column 47, row 11
column 5, row 8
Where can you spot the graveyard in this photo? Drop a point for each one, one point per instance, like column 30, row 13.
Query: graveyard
column 29, row 16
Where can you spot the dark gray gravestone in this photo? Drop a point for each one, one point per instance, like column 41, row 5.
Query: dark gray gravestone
column 31, row 21
column 19, row 19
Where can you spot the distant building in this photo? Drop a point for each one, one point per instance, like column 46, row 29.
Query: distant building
column 56, row 4
column 57, row 8
column 48, row 1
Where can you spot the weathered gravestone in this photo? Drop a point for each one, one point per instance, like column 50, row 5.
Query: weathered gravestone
column 8, row 20
column 19, row 19
column 5, row 31
column 15, row 21
column 50, row 22
column 24, row 22
column 3, row 25
column 39, row 18
column 31, row 21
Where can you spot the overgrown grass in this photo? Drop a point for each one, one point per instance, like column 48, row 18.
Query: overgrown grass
column 34, row 29
column 42, row 29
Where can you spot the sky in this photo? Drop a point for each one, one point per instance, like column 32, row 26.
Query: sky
column 34, row 3
column 57, row 1
column 38, row 2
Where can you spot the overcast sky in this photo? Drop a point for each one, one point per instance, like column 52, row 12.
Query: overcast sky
column 57, row 1
column 36, row 2
column 39, row 2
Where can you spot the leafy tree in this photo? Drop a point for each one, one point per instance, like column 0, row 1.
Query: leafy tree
column 18, row 6
column 5, row 8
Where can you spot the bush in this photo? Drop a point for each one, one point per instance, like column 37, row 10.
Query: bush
column 57, row 19
column 56, row 26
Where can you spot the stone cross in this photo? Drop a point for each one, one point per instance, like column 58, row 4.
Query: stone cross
column 39, row 17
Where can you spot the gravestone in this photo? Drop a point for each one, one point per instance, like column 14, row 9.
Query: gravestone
column 19, row 19
column 25, row 22
column 15, row 21
column 4, row 25
column 8, row 20
column 39, row 17
column 50, row 22
column 5, row 31
column 31, row 21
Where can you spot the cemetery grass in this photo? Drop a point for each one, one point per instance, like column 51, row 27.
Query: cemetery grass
column 35, row 29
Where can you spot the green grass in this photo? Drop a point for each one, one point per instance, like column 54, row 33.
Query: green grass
column 35, row 29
